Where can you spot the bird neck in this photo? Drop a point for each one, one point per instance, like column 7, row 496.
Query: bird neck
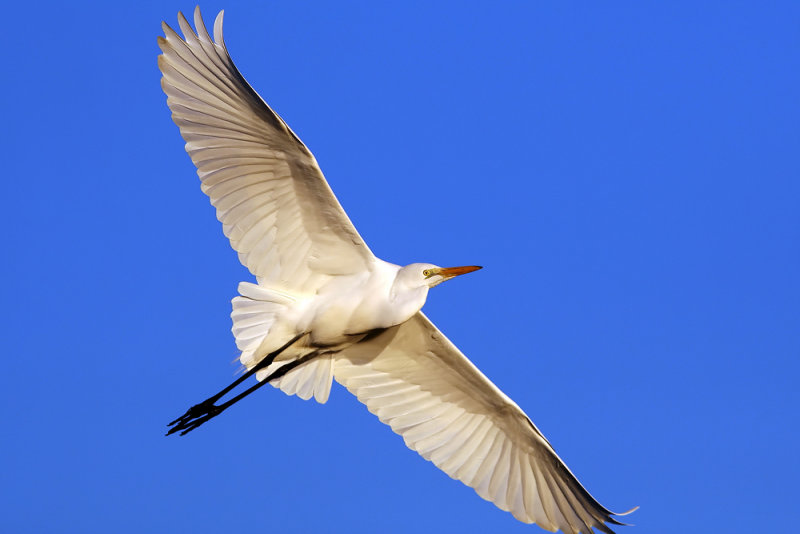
column 406, row 300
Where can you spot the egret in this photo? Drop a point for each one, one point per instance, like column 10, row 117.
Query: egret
column 325, row 308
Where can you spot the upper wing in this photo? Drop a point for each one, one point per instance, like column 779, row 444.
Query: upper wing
column 271, row 197
column 415, row 380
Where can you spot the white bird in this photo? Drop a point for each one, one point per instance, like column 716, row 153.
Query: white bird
column 325, row 308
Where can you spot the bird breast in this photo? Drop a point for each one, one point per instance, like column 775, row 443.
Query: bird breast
column 360, row 303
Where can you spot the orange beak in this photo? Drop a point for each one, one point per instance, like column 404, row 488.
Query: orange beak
column 455, row 271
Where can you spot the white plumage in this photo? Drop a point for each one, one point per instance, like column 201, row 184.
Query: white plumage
column 326, row 308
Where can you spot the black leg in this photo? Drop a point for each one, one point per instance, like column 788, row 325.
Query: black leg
column 216, row 410
column 202, row 412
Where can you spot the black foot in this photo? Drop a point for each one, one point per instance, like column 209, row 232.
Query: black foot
column 195, row 416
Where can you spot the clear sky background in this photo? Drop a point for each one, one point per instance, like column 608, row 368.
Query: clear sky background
column 628, row 174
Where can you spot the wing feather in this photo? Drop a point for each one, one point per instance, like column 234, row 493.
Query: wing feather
column 451, row 438
column 420, row 384
column 515, row 489
column 450, row 459
column 468, row 440
column 275, row 205
column 480, row 481
column 480, row 448
column 499, row 477
column 531, row 496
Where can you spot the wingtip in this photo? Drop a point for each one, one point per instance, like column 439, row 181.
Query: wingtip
column 183, row 22
column 620, row 523
column 218, row 28
column 179, row 15
column 629, row 511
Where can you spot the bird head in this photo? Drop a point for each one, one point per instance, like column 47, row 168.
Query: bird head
column 426, row 274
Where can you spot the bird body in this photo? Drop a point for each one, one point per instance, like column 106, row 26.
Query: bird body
column 342, row 312
column 324, row 308
column 380, row 298
column 342, row 308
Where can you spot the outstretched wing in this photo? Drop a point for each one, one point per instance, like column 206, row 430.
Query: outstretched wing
column 271, row 197
column 415, row 380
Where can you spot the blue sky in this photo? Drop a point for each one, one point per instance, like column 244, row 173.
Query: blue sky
column 627, row 174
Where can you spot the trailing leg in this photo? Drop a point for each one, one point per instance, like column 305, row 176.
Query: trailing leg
column 202, row 412
column 214, row 410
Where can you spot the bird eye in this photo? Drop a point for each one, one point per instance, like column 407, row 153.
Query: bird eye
column 426, row 273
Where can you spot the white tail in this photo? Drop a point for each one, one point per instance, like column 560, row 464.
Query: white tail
column 255, row 315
